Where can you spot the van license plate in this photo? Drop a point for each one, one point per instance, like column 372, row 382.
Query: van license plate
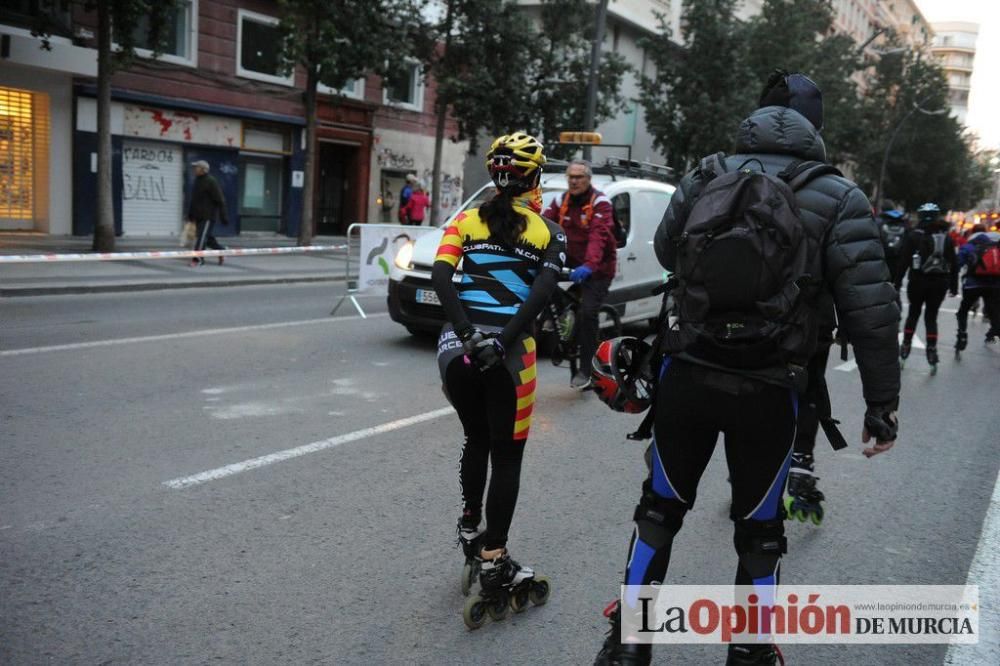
column 428, row 297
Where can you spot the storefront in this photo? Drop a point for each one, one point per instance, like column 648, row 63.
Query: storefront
column 253, row 160
column 36, row 131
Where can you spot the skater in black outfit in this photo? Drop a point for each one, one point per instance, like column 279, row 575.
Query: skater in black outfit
column 511, row 261
column 207, row 201
column 929, row 256
column 712, row 383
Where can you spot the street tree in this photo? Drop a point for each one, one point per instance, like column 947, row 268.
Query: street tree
column 336, row 42
column 701, row 90
column 475, row 52
column 910, row 135
column 122, row 26
column 807, row 44
column 555, row 93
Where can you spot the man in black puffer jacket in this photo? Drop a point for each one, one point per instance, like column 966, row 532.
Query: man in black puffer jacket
column 848, row 284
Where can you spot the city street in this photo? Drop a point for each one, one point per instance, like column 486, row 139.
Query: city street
column 231, row 475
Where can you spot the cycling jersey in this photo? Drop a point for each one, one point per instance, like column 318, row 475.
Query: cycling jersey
column 496, row 279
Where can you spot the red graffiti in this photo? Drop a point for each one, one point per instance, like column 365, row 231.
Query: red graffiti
column 164, row 122
column 187, row 133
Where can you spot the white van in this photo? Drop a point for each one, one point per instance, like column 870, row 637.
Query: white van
column 639, row 205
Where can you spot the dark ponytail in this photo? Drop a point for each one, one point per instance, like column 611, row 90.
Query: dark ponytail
column 505, row 224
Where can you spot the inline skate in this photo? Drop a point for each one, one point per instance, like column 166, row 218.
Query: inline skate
column 932, row 359
column 754, row 655
column 504, row 585
column 469, row 537
column 804, row 501
column 904, row 351
column 616, row 653
column 961, row 342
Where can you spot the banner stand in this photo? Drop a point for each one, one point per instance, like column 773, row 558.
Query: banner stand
column 352, row 285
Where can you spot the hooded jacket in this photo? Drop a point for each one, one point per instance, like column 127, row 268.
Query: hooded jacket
column 851, row 284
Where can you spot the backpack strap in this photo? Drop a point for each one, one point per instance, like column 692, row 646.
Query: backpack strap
column 712, row 166
column 800, row 173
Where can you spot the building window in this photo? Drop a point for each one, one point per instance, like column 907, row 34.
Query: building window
column 266, row 139
column 354, row 89
column 260, row 192
column 24, row 158
column 258, row 43
column 404, row 87
column 180, row 37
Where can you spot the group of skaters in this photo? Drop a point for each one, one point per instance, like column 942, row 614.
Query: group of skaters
column 936, row 257
column 775, row 255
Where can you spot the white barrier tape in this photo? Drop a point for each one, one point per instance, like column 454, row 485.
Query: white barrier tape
column 168, row 254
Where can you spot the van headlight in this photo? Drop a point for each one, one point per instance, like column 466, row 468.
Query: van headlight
column 404, row 258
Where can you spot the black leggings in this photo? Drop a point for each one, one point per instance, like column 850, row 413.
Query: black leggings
column 486, row 403
column 991, row 307
column 758, row 423
column 924, row 292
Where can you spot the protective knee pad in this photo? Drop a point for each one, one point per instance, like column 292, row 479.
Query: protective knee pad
column 760, row 545
column 658, row 519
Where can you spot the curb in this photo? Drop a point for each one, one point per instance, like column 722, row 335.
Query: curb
column 16, row 292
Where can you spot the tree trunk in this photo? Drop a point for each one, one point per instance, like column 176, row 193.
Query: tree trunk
column 104, row 227
column 309, row 181
column 441, row 111
column 442, row 114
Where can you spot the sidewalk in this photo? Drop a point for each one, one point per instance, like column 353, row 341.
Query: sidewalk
column 35, row 279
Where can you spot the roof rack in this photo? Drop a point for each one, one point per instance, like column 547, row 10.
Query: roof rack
column 620, row 167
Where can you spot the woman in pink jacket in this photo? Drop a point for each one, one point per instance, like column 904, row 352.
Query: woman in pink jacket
column 416, row 207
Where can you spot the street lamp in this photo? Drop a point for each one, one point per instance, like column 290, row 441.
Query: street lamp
column 892, row 139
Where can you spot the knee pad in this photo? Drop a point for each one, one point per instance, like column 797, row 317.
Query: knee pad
column 760, row 544
column 658, row 519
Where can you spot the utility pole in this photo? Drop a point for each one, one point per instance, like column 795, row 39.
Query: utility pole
column 595, row 63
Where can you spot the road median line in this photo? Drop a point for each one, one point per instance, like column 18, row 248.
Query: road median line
column 314, row 447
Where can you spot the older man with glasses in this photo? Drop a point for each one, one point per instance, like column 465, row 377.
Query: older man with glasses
column 588, row 219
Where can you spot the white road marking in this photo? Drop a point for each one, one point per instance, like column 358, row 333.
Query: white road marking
column 847, row 367
column 984, row 572
column 917, row 342
column 288, row 454
column 177, row 336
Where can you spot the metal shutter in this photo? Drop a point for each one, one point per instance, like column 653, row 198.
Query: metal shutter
column 152, row 189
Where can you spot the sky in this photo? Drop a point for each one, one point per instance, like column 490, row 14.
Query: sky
column 984, row 101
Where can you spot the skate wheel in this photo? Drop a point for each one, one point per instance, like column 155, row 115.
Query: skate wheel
column 540, row 589
column 468, row 578
column 816, row 516
column 498, row 609
column 474, row 612
column 519, row 599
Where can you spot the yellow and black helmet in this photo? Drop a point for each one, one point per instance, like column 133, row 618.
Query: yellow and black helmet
column 515, row 161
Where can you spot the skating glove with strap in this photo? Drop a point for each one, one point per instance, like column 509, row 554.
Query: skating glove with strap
column 488, row 352
column 881, row 421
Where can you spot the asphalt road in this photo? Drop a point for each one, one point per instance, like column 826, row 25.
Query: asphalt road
column 342, row 552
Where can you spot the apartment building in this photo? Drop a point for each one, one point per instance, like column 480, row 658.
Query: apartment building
column 217, row 93
column 955, row 48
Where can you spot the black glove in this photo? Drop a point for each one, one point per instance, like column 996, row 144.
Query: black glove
column 881, row 421
column 487, row 353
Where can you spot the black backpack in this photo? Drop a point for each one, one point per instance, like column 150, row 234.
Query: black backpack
column 933, row 262
column 742, row 258
column 893, row 234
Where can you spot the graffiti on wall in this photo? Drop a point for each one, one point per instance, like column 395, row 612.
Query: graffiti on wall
column 390, row 159
column 143, row 180
column 184, row 126
column 450, row 196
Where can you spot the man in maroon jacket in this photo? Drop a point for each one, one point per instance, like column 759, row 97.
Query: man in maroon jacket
column 587, row 217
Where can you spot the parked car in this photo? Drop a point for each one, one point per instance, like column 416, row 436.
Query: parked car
column 639, row 204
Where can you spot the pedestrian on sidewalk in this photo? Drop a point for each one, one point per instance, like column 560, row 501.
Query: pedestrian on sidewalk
column 404, row 197
column 207, row 201
column 416, row 207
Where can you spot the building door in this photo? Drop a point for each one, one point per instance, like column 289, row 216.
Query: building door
column 260, row 192
column 152, row 188
column 334, row 193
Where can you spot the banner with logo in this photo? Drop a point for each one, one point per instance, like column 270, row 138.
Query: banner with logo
column 379, row 245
